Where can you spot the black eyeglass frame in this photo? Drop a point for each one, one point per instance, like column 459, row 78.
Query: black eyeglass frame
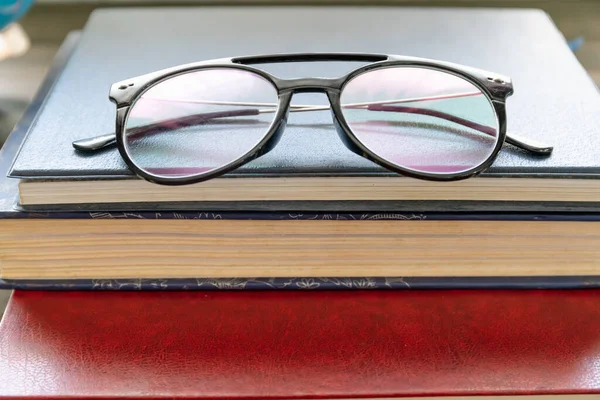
column 497, row 88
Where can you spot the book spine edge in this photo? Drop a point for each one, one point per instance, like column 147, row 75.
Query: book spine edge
column 304, row 216
column 317, row 283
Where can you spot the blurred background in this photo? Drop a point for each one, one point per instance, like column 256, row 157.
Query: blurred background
column 31, row 32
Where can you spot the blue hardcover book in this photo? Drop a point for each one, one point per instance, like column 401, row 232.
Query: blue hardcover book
column 310, row 170
column 117, row 249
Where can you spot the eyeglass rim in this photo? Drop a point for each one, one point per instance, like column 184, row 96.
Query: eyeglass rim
column 125, row 93
column 498, row 108
column 262, row 147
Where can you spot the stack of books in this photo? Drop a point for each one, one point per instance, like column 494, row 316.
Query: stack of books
column 308, row 215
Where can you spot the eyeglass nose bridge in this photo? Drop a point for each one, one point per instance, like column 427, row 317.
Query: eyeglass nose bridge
column 310, row 85
column 313, row 86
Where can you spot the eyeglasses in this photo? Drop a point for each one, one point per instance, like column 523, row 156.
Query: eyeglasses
column 417, row 117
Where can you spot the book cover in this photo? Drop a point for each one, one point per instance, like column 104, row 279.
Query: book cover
column 299, row 345
column 543, row 108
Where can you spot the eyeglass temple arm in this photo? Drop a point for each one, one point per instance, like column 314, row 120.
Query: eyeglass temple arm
column 99, row 142
column 530, row 145
column 523, row 143
column 488, row 130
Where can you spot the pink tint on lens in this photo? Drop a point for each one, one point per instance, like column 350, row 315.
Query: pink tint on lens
column 421, row 119
column 194, row 123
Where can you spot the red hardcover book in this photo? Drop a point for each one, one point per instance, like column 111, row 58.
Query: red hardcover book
column 293, row 345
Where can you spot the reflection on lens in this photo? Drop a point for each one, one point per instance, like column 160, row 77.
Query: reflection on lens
column 421, row 119
column 196, row 122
